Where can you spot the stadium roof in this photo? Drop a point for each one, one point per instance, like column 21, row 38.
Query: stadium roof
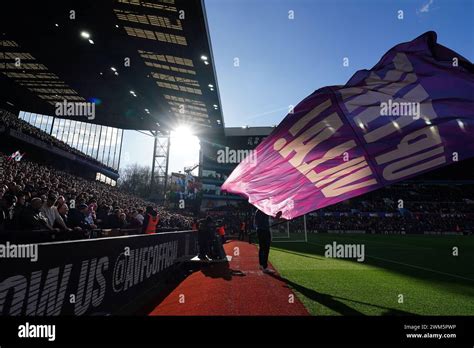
column 142, row 62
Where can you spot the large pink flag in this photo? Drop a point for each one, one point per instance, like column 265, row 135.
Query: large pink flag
column 412, row 113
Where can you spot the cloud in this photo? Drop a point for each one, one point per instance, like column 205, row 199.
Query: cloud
column 426, row 7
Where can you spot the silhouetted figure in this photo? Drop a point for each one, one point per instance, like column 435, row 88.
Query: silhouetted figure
column 262, row 222
column 205, row 230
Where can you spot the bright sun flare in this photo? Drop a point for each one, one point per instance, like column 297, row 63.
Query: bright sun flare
column 183, row 136
column 182, row 132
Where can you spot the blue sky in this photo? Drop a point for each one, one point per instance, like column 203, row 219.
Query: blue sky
column 282, row 60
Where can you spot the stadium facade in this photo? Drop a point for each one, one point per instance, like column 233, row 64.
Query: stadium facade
column 219, row 155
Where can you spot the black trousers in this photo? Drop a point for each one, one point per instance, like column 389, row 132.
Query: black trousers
column 203, row 241
column 264, row 241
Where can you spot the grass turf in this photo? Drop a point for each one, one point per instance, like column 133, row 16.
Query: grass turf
column 421, row 268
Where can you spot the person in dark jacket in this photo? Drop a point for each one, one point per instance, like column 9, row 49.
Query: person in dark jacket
column 18, row 211
column 7, row 211
column 205, row 230
column 262, row 222
column 77, row 218
column 102, row 213
column 33, row 219
column 34, row 226
column 134, row 222
column 114, row 221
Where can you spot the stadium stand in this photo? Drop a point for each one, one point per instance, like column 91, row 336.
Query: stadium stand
column 79, row 208
column 424, row 207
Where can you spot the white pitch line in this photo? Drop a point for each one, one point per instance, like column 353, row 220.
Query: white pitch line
column 408, row 265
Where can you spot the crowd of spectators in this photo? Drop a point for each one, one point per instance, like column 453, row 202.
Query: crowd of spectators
column 413, row 197
column 420, row 223
column 12, row 121
column 403, row 208
column 39, row 197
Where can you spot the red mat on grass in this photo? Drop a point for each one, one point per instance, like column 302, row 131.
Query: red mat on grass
column 234, row 288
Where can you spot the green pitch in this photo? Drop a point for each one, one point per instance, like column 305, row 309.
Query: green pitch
column 420, row 268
